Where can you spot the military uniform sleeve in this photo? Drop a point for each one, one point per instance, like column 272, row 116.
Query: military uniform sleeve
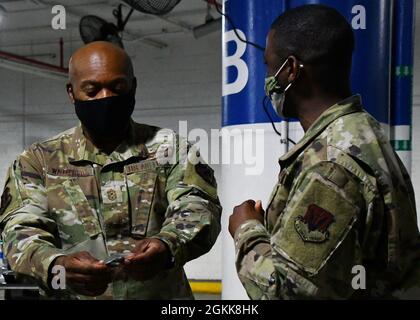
column 29, row 233
column 192, row 219
column 314, row 246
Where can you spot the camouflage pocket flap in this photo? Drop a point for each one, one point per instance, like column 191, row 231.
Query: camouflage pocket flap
column 141, row 190
column 84, row 211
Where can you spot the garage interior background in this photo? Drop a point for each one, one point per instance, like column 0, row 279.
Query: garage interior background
column 180, row 78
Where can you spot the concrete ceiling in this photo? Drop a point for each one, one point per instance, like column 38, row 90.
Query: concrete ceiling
column 28, row 22
column 25, row 25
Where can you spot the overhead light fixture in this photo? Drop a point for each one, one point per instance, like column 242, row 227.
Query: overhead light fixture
column 207, row 28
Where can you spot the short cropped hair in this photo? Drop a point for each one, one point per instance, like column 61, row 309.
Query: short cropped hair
column 317, row 35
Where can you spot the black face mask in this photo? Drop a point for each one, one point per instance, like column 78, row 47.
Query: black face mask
column 106, row 117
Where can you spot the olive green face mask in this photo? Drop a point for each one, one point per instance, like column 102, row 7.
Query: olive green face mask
column 274, row 91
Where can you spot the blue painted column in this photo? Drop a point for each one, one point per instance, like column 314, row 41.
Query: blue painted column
column 244, row 88
column 402, row 79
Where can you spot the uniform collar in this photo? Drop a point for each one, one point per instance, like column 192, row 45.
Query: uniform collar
column 350, row 105
column 83, row 149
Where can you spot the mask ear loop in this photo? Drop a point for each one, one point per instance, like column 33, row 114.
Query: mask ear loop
column 265, row 100
column 281, row 68
column 290, row 84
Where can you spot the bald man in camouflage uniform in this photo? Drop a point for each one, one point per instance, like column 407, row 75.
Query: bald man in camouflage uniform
column 67, row 199
column 341, row 222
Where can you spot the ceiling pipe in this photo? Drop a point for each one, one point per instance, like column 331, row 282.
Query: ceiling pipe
column 16, row 62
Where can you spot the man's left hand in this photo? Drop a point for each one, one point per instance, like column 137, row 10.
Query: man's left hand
column 149, row 257
column 249, row 210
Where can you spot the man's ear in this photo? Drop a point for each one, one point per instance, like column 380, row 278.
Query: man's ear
column 70, row 92
column 293, row 68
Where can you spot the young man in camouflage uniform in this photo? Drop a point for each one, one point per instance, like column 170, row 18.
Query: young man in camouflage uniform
column 343, row 198
column 109, row 186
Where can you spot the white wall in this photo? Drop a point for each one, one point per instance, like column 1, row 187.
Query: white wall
column 181, row 82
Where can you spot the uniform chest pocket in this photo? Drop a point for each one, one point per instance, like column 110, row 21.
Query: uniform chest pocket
column 141, row 186
column 75, row 218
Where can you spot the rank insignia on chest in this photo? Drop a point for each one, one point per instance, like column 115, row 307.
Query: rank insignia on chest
column 313, row 226
column 112, row 194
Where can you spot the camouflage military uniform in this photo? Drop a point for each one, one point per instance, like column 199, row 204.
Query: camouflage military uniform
column 64, row 195
column 343, row 199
